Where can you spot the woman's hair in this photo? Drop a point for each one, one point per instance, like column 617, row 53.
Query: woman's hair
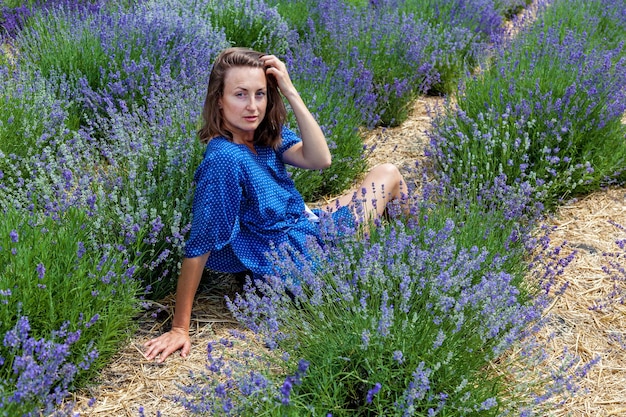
column 268, row 132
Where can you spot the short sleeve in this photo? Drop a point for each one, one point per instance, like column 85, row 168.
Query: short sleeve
column 216, row 202
column 289, row 138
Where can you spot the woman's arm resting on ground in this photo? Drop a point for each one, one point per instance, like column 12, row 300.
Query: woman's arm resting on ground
column 312, row 152
column 178, row 337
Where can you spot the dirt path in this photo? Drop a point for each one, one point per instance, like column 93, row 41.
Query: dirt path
column 576, row 325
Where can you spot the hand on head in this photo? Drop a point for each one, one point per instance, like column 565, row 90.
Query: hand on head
column 277, row 68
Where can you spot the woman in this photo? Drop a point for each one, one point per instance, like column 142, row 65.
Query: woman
column 244, row 202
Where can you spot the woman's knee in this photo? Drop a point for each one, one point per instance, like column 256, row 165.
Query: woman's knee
column 387, row 174
column 383, row 170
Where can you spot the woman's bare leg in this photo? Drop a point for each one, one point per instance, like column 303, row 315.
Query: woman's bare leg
column 383, row 184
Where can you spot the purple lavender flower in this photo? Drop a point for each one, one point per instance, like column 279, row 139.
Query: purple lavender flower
column 372, row 392
column 365, row 339
column 285, row 391
column 13, row 18
column 42, row 370
column 41, row 270
column 398, row 356
column 303, row 366
column 220, row 390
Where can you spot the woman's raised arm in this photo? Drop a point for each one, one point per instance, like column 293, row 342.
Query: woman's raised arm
column 312, row 152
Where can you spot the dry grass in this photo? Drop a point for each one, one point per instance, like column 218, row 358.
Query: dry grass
column 404, row 145
column 130, row 381
column 587, row 332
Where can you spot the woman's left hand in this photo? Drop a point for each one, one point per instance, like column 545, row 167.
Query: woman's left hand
column 278, row 70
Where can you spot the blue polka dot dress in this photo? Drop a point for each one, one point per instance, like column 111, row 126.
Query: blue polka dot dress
column 244, row 205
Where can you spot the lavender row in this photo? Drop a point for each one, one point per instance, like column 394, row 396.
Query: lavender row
column 402, row 321
column 545, row 115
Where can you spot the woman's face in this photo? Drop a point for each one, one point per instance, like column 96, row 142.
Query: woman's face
column 243, row 102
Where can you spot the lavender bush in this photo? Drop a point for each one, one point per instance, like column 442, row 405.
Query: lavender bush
column 545, row 115
column 401, row 320
column 324, row 88
column 603, row 23
column 66, row 302
column 116, row 53
column 133, row 221
column 402, row 52
column 250, row 23
column 52, row 173
column 12, row 19
column 30, row 114
column 42, row 370
column 395, row 48
column 14, row 15
column 151, row 155
column 483, row 17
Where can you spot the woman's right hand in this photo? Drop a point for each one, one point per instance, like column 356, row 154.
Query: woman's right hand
column 168, row 343
column 178, row 338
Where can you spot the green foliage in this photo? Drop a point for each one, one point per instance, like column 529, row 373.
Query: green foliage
column 250, row 24
column 326, row 102
column 60, row 43
column 151, row 224
column 18, row 3
column 57, row 273
column 6, row 55
column 31, row 120
column 315, row 185
column 343, row 367
column 22, row 114
column 603, row 25
column 399, row 306
column 545, row 114
column 295, row 12
column 116, row 54
column 478, row 16
column 143, row 191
